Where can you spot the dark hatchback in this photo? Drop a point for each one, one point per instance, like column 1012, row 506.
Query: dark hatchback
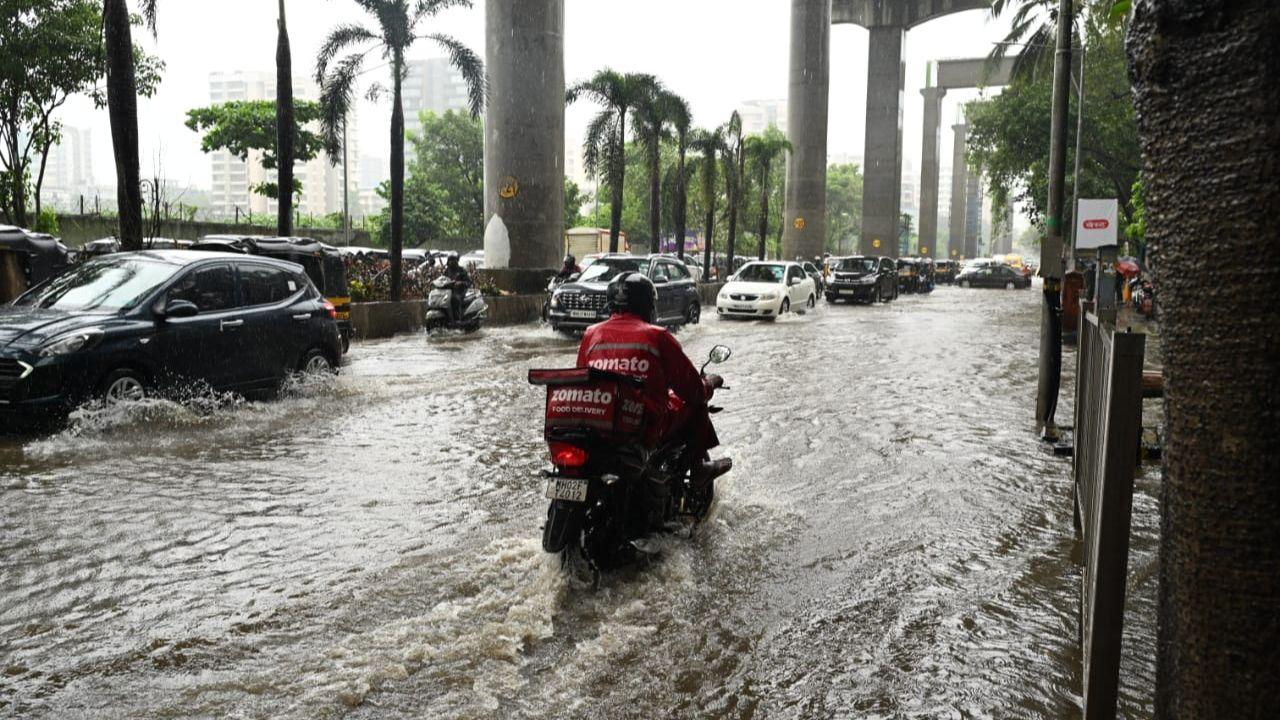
column 992, row 276
column 130, row 325
column 864, row 279
column 579, row 304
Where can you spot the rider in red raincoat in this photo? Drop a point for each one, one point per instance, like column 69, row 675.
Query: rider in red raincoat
column 675, row 392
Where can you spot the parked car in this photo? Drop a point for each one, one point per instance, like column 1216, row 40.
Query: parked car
column 579, row 304
column 767, row 290
column 39, row 257
column 864, row 279
column 992, row 275
column 690, row 262
column 130, row 325
column 819, row 282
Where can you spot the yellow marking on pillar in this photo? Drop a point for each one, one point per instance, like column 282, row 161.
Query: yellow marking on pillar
column 509, row 187
column 799, row 223
column 875, row 243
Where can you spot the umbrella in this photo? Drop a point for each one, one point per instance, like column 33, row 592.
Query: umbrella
column 1128, row 267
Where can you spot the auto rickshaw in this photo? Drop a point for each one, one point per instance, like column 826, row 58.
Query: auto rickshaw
column 29, row 259
column 944, row 271
column 908, row 275
column 323, row 263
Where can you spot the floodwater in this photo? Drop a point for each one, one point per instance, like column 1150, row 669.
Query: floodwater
column 893, row 542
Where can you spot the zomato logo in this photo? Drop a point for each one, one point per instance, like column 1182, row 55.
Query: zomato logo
column 595, row 397
column 1099, row 224
column 622, row 365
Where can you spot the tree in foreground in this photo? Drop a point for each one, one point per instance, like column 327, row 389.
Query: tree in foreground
column 681, row 119
column 735, row 166
column 605, row 149
column 710, row 146
column 244, row 126
column 398, row 23
column 1206, row 84
column 122, row 107
column 763, row 152
column 285, row 133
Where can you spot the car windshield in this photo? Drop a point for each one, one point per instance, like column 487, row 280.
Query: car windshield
column 858, row 265
column 762, row 273
column 110, row 284
column 606, row 269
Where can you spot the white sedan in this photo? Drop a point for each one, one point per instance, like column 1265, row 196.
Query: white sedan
column 767, row 290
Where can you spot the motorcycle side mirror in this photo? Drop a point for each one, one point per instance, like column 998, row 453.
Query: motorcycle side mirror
column 719, row 354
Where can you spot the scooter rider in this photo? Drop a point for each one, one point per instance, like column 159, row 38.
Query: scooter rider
column 461, row 283
column 627, row 339
column 569, row 269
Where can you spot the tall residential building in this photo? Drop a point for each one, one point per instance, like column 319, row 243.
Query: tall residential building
column 432, row 84
column 758, row 115
column 233, row 179
column 68, row 172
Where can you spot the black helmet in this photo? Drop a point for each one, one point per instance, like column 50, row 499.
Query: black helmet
column 451, row 258
column 570, row 261
column 633, row 293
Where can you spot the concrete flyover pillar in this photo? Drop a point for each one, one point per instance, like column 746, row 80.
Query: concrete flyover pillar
column 928, row 222
column 524, row 134
column 882, row 178
column 973, row 214
column 805, row 229
column 959, row 186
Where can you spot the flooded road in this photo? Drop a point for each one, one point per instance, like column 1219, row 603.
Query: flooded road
column 892, row 543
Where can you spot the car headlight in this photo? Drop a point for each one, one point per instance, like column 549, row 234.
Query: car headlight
column 867, row 279
column 769, row 296
column 72, row 342
column 556, row 297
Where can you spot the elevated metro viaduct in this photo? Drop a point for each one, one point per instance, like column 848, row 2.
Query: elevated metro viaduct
column 888, row 22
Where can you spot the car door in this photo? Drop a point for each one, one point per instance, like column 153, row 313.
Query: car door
column 206, row 347
column 795, row 285
column 683, row 290
column 661, row 278
column 273, row 338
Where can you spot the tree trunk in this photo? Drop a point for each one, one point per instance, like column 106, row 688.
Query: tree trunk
column 763, row 229
column 655, row 201
column 735, row 190
column 284, row 129
column 617, row 178
column 710, row 225
column 122, row 106
column 17, row 168
column 680, row 202
column 1206, row 79
column 397, row 175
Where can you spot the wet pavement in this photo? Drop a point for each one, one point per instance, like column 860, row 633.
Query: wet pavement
column 892, row 543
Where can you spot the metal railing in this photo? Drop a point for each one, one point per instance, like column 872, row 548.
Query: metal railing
column 1108, row 433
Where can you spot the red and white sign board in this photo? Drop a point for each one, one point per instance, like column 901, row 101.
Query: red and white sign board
column 1097, row 224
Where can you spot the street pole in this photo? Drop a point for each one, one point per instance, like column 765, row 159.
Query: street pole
column 1050, row 370
column 346, row 188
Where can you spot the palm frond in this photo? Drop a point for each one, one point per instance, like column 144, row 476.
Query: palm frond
column 602, row 87
column 337, row 94
column 426, row 8
column 148, row 9
column 599, row 133
column 340, row 38
column 470, row 66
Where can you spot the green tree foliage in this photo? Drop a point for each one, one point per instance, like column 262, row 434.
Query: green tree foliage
column 574, row 199
column 844, row 207
column 444, row 192
column 764, row 154
column 1009, row 134
column 244, row 126
column 1135, row 231
column 52, row 49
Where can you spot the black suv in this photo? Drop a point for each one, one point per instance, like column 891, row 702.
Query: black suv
column 125, row 326
column 861, row 278
column 580, row 303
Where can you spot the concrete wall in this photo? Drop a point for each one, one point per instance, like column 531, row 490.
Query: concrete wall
column 384, row 319
column 76, row 230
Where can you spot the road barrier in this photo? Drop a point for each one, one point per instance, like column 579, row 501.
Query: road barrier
column 1108, row 433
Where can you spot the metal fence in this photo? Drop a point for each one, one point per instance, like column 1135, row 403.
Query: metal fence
column 1108, row 427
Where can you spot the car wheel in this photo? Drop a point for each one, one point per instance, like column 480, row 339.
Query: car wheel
column 346, row 343
column 813, row 302
column 785, row 307
column 695, row 314
column 1008, row 285
column 877, row 296
column 315, row 362
column 123, row 385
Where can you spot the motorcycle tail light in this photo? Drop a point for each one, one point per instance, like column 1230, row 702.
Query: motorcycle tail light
column 330, row 310
column 565, row 455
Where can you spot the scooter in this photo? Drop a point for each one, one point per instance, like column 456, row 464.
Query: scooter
column 607, row 491
column 439, row 308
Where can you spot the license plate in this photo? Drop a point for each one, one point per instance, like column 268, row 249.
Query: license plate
column 846, row 292
column 743, row 308
column 585, row 314
column 567, row 489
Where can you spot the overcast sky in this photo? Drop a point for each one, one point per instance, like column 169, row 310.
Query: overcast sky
column 716, row 53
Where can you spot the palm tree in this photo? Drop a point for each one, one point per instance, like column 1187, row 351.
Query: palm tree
column 605, row 148
column 650, row 128
column 396, row 31
column 284, row 128
column 763, row 151
column 681, row 119
column 1197, row 79
column 710, row 145
column 734, row 171
column 122, row 107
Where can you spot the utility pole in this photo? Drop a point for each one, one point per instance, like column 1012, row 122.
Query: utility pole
column 1050, row 373
column 346, row 188
column 1075, row 183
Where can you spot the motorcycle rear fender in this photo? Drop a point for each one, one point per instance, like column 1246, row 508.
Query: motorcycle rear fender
column 564, row 525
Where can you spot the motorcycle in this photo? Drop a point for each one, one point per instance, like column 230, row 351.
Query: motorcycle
column 1144, row 298
column 439, row 308
column 553, row 285
column 607, row 491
